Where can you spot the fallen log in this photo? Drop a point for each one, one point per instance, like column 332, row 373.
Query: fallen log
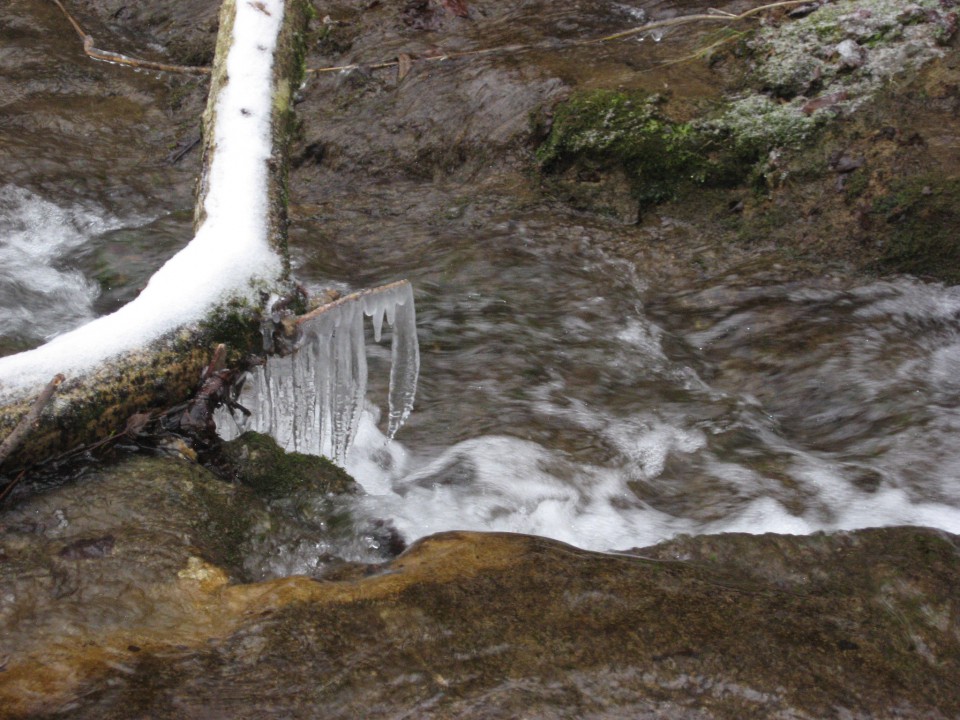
column 150, row 354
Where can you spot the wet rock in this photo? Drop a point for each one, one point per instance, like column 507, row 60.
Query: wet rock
column 860, row 624
column 103, row 557
column 846, row 164
column 261, row 464
column 87, row 548
column 95, row 112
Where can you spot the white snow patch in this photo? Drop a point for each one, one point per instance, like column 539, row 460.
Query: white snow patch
column 230, row 249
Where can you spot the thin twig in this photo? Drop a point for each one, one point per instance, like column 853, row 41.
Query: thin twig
column 27, row 422
column 347, row 299
column 716, row 16
column 12, row 484
column 117, row 58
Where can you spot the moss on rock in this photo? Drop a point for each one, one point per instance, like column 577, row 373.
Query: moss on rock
column 599, row 133
column 264, row 466
column 918, row 219
column 605, row 129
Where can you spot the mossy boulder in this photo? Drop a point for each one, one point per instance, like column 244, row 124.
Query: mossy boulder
column 602, row 134
column 831, row 142
column 603, row 129
column 271, row 472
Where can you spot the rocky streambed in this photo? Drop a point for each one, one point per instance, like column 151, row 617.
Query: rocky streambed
column 816, row 141
column 124, row 597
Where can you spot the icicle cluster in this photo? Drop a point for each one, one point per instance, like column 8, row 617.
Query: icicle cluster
column 310, row 401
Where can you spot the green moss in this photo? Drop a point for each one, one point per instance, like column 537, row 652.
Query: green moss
column 856, row 184
column 605, row 129
column 236, row 324
column 263, row 466
column 917, row 222
column 800, row 57
column 757, row 123
column 227, row 517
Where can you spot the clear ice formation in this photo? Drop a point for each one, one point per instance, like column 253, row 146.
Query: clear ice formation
column 310, row 401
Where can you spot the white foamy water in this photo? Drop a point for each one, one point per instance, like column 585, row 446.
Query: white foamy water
column 878, row 448
column 40, row 294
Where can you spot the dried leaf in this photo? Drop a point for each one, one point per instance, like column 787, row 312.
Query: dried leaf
column 136, row 423
column 259, row 6
column 457, row 7
column 404, row 65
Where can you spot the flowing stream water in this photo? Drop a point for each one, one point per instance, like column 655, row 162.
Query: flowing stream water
column 562, row 391
column 561, row 395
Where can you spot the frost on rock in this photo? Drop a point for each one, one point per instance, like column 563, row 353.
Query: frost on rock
column 310, row 401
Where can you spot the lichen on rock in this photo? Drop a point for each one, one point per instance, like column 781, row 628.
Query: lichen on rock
column 856, row 45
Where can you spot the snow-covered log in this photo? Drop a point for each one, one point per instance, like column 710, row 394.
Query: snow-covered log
column 149, row 354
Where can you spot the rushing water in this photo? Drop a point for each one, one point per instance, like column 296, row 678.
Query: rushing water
column 562, row 395
column 562, row 391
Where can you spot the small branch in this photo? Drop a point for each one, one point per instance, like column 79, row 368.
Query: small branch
column 11, row 485
column 29, row 420
column 715, row 16
column 405, row 60
column 111, row 57
column 118, row 59
column 346, row 299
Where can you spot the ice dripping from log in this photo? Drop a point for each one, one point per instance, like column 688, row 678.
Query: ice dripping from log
column 310, row 400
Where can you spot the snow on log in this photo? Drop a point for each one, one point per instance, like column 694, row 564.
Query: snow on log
column 149, row 354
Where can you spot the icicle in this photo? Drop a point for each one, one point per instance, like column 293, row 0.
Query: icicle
column 404, row 363
column 310, row 401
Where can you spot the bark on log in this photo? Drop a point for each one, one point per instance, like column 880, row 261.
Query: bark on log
column 97, row 404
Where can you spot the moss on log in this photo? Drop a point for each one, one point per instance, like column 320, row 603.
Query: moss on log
column 97, row 404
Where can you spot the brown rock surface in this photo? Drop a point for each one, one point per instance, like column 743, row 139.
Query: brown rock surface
column 117, row 603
